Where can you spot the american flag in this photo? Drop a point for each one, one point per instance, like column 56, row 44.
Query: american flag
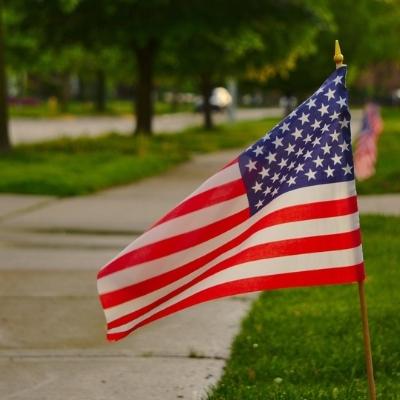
column 367, row 143
column 283, row 214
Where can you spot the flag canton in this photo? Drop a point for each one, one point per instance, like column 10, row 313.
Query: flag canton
column 311, row 146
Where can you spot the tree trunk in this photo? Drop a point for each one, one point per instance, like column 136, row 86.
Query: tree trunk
column 206, row 91
column 4, row 137
column 145, row 57
column 64, row 91
column 100, row 91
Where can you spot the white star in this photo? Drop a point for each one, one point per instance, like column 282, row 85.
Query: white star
column 264, row 172
column 325, row 128
column 299, row 168
column 277, row 142
column 316, row 141
column 257, row 187
column 267, row 190
column 329, row 171
column 300, row 152
column 311, row 103
column 251, row 165
column 259, row 204
column 291, row 181
column 297, row 133
column 344, row 146
column 347, row 169
column 283, row 179
column 307, row 155
column 341, row 102
column 271, row 157
column 284, row 127
column 310, row 174
column 334, row 116
column 304, row 118
column 307, row 138
column 344, row 123
column 335, row 136
column 336, row 159
column 290, row 148
column 338, row 80
column 275, row 177
column 292, row 114
column 323, row 110
column 326, row 148
column 275, row 191
column 283, row 163
column 318, row 162
column 258, row 150
column 316, row 124
column 291, row 166
column 330, row 94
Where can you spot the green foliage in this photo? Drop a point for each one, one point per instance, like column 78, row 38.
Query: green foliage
column 368, row 31
column 69, row 167
column 307, row 343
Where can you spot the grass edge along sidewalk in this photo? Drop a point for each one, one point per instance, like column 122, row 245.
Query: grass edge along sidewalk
column 305, row 344
column 69, row 167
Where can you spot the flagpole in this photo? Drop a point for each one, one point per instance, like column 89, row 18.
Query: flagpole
column 367, row 341
column 338, row 58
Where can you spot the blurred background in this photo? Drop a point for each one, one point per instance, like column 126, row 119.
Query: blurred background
column 96, row 57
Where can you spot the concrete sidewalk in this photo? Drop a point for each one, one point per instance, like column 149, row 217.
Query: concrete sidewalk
column 30, row 130
column 52, row 343
column 52, row 331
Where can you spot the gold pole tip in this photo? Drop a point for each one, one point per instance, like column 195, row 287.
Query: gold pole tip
column 338, row 57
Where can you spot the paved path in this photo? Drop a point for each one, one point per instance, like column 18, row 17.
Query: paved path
column 52, row 333
column 29, row 130
column 52, row 342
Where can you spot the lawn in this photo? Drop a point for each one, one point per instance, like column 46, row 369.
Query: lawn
column 387, row 177
column 305, row 344
column 68, row 167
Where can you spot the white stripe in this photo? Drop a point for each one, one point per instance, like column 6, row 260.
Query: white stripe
column 253, row 269
column 293, row 230
column 153, row 268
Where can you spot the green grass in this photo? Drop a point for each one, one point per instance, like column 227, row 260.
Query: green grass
column 69, row 167
column 305, row 344
column 85, row 108
column 387, row 177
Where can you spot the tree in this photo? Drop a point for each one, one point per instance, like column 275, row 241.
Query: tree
column 257, row 40
column 368, row 31
column 4, row 137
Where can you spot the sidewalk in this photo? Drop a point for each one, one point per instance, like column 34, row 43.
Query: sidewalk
column 52, row 334
column 52, row 331
column 29, row 130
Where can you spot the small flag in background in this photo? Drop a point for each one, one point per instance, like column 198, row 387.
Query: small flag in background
column 366, row 152
column 283, row 214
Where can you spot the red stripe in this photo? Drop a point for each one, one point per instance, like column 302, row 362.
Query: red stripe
column 174, row 244
column 231, row 163
column 260, row 252
column 207, row 198
column 330, row 276
column 289, row 214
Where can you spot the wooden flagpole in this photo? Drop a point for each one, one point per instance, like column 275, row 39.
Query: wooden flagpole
column 338, row 58
column 367, row 341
